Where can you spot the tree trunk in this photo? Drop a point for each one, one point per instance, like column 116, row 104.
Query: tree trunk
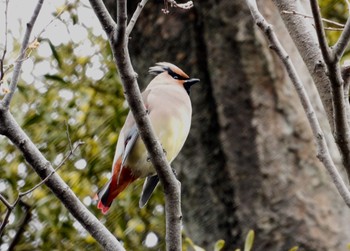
column 250, row 160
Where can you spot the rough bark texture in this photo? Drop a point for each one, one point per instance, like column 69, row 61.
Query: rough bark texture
column 249, row 162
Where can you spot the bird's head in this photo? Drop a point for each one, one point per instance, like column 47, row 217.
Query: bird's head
column 173, row 74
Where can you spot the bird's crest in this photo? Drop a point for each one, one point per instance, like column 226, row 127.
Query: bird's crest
column 173, row 70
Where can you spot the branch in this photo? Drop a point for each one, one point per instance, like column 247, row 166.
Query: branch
column 343, row 41
column 10, row 129
column 320, row 32
column 14, row 80
column 2, row 60
column 103, row 16
column 135, row 16
column 7, row 215
column 10, row 207
column 323, row 152
column 119, row 44
column 308, row 16
column 341, row 117
column 23, row 224
column 304, row 38
column 71, row 152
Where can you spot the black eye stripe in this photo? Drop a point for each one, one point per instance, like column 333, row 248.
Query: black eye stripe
column 175, row 75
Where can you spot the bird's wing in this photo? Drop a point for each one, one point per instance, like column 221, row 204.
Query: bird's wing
column 148, row 188
column 129, row 142
column 128, row 135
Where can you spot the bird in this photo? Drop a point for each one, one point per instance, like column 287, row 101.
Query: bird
column 167, row 102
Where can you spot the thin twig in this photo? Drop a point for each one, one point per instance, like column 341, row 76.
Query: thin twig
column 2, row 73
column 343, row 41
column 320, row 32
column 7, row 215
column 323, row 152
column 308, row 16
column 135, row 16
column 10, row 207
column 3, row 200
column 70, row 153
column 51, row 21
column 14, row 80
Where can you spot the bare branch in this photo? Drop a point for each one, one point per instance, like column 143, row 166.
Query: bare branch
column 22, row 194
column 24, row 222
column 320, row 32
column 323, row 152
column 2, row 60
column 331, row 57
column 3, row 200
column 343, row 41
column 71, row 152
column 135, row 16
column 8, row 213
column 173, row 3
column 119, row 44
column 14, row 80
column 308, row 16
column 104, row 17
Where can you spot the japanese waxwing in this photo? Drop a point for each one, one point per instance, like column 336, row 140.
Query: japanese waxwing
column 169, row 107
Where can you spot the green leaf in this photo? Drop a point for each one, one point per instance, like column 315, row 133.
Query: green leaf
column 249, row 241
column 294, row 248
column 32, row 119
column 55, row 53
column 219, row 245
column 55, row 78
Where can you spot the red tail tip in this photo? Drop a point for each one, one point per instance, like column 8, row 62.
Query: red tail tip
column 103, row 208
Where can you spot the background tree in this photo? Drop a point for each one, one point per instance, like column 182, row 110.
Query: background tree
column 249, row 163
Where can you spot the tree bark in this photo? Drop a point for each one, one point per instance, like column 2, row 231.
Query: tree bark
column 250, row 160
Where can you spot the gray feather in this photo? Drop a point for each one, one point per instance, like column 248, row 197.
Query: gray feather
column 148, row 188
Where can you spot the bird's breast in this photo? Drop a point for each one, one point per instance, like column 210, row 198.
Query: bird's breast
column 171, row 123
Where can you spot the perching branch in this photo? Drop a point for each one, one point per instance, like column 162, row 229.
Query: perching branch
column 119, row 44
column 331, row 57
column 323, row 152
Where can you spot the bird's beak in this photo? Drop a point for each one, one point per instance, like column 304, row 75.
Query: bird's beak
column 191, row 81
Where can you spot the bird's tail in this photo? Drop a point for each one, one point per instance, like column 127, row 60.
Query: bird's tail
column 120, row 179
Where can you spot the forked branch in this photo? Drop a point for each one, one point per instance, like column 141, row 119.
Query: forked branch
column 331, row 58
column 323, row 152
